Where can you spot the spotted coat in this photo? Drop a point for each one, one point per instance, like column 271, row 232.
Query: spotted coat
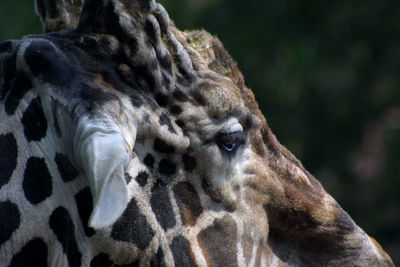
column 126, row 142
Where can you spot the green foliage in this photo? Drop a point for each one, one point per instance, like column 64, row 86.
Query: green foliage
column 18, row 19
column 325, row 75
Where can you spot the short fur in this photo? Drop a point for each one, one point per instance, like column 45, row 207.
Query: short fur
column 126, row 141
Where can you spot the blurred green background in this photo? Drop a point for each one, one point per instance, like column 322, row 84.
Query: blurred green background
column 326, row 76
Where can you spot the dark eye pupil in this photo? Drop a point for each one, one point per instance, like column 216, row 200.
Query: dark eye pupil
column 230, row 142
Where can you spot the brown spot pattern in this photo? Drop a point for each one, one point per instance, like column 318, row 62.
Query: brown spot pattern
column 218, row 242
column 188, row 202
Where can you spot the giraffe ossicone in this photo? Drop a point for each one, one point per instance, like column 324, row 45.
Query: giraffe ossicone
column 127, row 142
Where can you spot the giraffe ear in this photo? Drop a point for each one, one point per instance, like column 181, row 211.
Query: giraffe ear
column 104, row 156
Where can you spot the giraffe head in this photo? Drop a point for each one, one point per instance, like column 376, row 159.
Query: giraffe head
column 180, row 161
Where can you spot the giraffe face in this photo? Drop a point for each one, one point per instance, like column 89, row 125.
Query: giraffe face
column 126, row 141
column 218, row 139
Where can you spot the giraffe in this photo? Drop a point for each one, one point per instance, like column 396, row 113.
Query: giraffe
column 127, row 142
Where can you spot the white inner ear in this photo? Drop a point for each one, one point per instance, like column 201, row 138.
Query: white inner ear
column 104, row 157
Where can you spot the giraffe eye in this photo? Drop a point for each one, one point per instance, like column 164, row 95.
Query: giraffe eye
column 230, row 142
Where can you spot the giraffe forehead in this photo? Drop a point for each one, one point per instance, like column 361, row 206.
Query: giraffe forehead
column 222, row 97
